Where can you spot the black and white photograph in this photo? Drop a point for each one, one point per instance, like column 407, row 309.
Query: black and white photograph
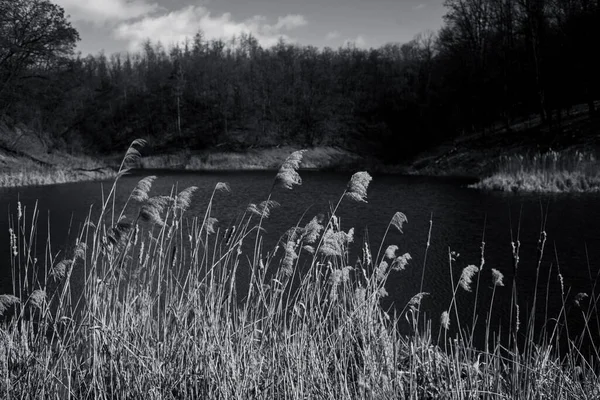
column 299, row 199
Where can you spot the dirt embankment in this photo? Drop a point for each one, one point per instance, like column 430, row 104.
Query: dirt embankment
column 478, row 155
column 26, row 158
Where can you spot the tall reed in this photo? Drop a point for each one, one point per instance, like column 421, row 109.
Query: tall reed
column 552, row 171
column 162, row 313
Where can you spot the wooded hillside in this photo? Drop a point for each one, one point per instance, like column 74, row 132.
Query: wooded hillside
column 492, row 62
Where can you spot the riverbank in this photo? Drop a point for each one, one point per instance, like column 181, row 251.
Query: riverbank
column 30, row 166
column 529, row 157
column 27, row 159
column 316, row 158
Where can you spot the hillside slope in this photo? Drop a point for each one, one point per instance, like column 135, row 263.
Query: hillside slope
column 477, row 155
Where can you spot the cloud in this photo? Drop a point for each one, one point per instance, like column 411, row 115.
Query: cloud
column 332, row 35
column 175, row 26
column 290, row 22
column 102, row 11
column 359, row 41
column 419, row 6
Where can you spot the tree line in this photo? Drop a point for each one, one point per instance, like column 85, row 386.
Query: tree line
column 491, row 63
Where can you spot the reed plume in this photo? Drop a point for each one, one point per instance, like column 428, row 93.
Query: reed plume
column 7, row 301
column 401, row 262
column 357, row 187
column 466, row 277
column 398, row 220
column 497, row 277
column 184, row 198
column 312, row 230
column 390, row 252
column 151, row 211
column 415, row 302
column 288, row 176
column 263, row 209
column 140, row 193
column 445, row 320
column 60, row 270
column 37, row 298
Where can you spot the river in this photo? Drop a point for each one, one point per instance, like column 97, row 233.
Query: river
column 461, row 219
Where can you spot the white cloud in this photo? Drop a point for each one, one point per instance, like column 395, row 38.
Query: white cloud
column 290, row 21
column 332, row 35
column 102, row 11
column 176, row 26
column 359, row 41
column 419, row 6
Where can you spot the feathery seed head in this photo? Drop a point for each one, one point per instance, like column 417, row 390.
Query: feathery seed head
column 381, row 271
column 415, row 302
column 132, row 156
column 289, row 258
column 263, row 209
column 60, row 270
column 367, row 258
column 309, row 248
column 140, row 193
column 357, row 187
column 184, row 198
column 350, row 236
column 334, row 243
column 562, row 284
column 293, row 233
column 288, row 175
column 37, row 298
column 497, row 277
column 398, row 220
column 222, row 187
column 445, row 320
column 151, row 211
column 80, row 250
column 466, row 277
column 401, row 262
column 360, row 295
column 7, row 301
column 312, row 230
column 346, row 273
column 210, row 225
column 390, row 252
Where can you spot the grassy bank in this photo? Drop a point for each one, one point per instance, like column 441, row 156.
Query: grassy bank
column 50, row 175
column 322, row 158
column 164, row 316
column 22, row 169
column 551, row 172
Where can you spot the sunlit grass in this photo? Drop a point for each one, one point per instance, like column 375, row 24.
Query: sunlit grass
column 50, row 175
column 52, row 168
column 252, row 159
column 163, row 313
column 545, row 172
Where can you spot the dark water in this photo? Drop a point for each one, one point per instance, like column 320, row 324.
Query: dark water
column 461, row 218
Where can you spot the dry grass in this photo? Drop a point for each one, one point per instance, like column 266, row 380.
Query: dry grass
column 163, row 314
column 552, row 172
column 253, row 159
column 50, row 176
column 50, row 168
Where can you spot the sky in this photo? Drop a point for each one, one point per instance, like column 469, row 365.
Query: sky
column 123, row 25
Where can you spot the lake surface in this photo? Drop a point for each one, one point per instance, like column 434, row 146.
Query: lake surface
column 461, row 218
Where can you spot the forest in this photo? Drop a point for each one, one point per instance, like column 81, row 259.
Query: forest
column 492, row 63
